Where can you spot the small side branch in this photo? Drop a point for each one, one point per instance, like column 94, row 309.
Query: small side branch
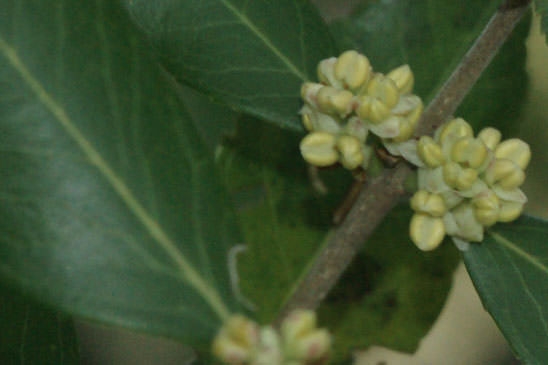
column 382, row 194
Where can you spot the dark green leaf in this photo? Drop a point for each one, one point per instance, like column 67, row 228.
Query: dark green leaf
column 251, row 54
column 432, row 37
column 510, row 272
column 391, row 294
column 110, row 205
column 33, row 334
column 541, row 8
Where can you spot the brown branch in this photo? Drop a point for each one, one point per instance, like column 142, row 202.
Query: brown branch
column 381, row 194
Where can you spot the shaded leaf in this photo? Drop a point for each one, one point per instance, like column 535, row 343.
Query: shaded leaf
column 110, row 205
column 391, row 294
column 510, row 272
column 33, row 334
column 432, row 37
column 541, row 8
column 251, row 54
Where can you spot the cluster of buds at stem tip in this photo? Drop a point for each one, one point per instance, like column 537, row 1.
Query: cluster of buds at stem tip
column 466, row 183
column 348, row 102
column 298, row 342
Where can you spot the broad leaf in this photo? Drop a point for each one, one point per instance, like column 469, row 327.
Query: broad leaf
column 432, row 37
column 510, row 272
column 391, row 294
column 251, row 54
column 33, row 334
column 541, row 8
column 110, row 206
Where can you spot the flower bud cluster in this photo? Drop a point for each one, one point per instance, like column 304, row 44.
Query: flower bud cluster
column 466, row 183
column 349, row 101
column 299, row 342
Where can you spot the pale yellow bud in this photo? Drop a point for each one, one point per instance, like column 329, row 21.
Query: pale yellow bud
column 490, row 136
column 298, row 323
column 515, row 150
column 466, row 179
column 416, row 114
column 350, row 151
column 332, row 100
column 426, row 232
column 229, row 352
column 352, row 69
column 307, row 122
column 312, row 347
column 269, row 349
column 469, row 152
column 403, row 77
column 372, row 109
column 318, row 148
column 430, row 152
column 486, row 207
column 505, row 173
column 510, row 211
column 467, row 225
column 309, row 92
column 236, row 340
column 453, row 130
column 326, row 72
column 451, row 172
column 406, row 130
column 384, row 89
column 431, row 204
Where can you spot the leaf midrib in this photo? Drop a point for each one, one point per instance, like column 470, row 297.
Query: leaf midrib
column 191, row 275
column 523, row 254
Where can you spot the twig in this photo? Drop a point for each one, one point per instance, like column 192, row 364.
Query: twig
column 380, row 196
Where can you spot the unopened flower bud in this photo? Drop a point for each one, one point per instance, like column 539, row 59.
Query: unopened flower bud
column 332, row 100
column 453, row 130
column 372, row 109
column 309, row 93
column 403, row 77
column 427, row 203
column 326, row 72
column 490, row 136
column 469, row 152
column 268, row 351
column 469, row 228
column 510, row 211
column 457, row 177
column 350, row 151
column 352, row 69
column 318, row 148
column 236, row 340
column 486, row 207
column 356, row 128
column 514, row 150
column 505, row 173
column 384, row 89
column 406, row 130
column 312, row 347
column 426, row 232
column 430, row 152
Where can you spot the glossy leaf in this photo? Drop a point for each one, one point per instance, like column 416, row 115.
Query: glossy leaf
column 510, row 272
column 432, row 37
column 251, row 54
column 541, row 8
column 33, row 334
column 110, row 205
column 391, row 294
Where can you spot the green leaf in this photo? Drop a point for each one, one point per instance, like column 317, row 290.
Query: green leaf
column 541, row 8
column 510, row 272
column 33, row 334
column 432, row 37
column 391, row 294
column 110, row 205
column 251, row 54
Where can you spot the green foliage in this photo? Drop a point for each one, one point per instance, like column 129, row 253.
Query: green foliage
column 392, row 293
column 110, row 205
column 541, row 8
column 251, row 54
column 33, row 334
column 432, row 37
column 510, row 272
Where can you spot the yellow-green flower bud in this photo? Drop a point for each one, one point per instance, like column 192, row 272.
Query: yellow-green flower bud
column 326, row 72
column 301, row 339
column 318, row 148
column 490, row 136
column 332, row 100
column 372, row 109
column 236, row 340
column 453, row 130
column 352, row 69
column 431, row 204
column 269, row 349
column 307, row 122
column 403, row 77
column 406, row 130
column 469, row 152
column 515, row 150
column 468, row 226
column 309, row 92
column 430, row 152
column 384, row 89
column 505, row 173
column 486, row 207
column 426, row 232
column 350, row 151
column 510, row 211
column 457, row 177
